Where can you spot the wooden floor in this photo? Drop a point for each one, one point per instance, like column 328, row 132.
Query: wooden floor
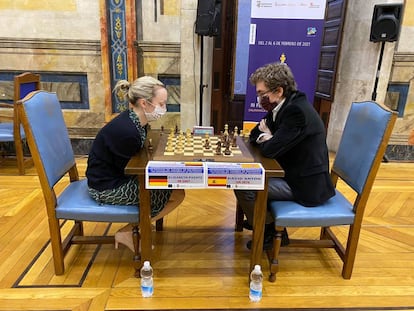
column 200, row 262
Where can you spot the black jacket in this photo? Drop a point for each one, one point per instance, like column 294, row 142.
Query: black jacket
column 112, row 148
column 299, row 145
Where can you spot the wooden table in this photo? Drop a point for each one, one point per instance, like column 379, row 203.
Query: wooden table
column 136, row 166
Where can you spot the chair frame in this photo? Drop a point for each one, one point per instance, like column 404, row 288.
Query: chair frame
column 76, row 233
column 19, row 80
column 328, row 239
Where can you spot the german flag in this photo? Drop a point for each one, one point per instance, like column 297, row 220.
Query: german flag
column 217, row 181
column 158, row 180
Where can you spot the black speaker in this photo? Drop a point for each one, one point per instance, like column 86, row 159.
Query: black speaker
column 385, row 25
column 208, row 18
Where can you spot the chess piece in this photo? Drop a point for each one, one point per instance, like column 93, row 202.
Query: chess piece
column 227, row 150
column 226, row 129
column 150, row 146
column 234, row 141
column 170, row 147
column 188, row 133
column 218, row 147
column 207, row 143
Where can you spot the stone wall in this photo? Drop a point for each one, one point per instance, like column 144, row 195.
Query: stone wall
column 64, row 37
column 61, row 38
column 358, row 69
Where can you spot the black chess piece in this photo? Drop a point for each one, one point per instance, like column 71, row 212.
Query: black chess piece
column 227, row 150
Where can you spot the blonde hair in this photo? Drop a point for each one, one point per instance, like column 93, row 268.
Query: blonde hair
column 144, row 87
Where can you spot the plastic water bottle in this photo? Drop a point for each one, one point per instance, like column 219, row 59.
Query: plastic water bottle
column 256, row 286
column 147, row 282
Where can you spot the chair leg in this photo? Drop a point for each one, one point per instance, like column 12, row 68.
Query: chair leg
column 137, row 255
column 274, row 258
column 57, row 248
column 323, row 235
column 159, row 224
column 79, row 227
column 239, row 218
column 18, row 145
column 350, row 252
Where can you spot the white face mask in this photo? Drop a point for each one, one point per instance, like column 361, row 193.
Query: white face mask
column 156, row 114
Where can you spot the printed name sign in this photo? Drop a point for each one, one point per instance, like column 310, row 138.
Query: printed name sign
column 187, row 175
column 174, row 175
column 235, row 175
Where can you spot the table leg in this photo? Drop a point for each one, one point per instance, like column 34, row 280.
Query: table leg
column 259, row 218
column 145, row 220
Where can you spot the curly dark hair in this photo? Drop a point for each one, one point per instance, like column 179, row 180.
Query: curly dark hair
column 275, row 75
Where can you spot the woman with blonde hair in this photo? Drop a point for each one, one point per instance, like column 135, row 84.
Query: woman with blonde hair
column 117, row 142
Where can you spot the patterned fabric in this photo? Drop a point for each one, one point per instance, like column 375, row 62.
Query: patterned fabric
column 128, row 193
column 133, row 116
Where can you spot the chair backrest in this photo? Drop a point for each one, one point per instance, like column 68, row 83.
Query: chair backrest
column 47, row 135
column 363, row 144
column 24, row 84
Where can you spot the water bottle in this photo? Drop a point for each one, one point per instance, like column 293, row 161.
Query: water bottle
column 147, row 283
column 256, row 278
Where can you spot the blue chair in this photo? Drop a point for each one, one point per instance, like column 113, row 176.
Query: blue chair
column 12, row 131
column 51, row 149
column 361, row 150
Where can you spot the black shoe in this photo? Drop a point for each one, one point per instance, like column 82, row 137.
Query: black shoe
column 285, row 238
column 247, row 226
column 269, row 227
column 268, row 238
column 267, row 243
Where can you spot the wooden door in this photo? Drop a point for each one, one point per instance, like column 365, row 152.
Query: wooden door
column 329, row 56
column 222, row 108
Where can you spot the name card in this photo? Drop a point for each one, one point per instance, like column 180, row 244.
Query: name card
column 187, row 175
column 174, row 175
column 235, row 175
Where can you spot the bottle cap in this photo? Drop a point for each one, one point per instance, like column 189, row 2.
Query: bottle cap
column 147, row 263
column 256, row 268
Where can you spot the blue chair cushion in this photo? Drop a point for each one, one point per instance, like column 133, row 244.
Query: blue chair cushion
column 336, row 211
column 6, row 132
column 76, row 204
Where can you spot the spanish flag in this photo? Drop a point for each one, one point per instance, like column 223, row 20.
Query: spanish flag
column 217, row 181
column 158, row 180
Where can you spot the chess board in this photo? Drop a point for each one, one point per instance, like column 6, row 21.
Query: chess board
column 193, row 149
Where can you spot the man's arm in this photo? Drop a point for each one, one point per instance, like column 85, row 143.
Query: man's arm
column 287, row 135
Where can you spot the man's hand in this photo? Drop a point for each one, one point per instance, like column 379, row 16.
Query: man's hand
column 266, row 133
column 263, row 127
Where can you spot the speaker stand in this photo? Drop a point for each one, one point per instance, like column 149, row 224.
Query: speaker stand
column 202, row 86
column 374, row 93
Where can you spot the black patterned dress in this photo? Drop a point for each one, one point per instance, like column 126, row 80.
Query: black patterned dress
column 112, row 148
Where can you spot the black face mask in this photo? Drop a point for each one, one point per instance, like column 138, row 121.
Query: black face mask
column 266, row 104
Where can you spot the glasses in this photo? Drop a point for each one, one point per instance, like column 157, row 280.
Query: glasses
column 261, row 95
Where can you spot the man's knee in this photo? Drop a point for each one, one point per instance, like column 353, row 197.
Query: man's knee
column 245, row 195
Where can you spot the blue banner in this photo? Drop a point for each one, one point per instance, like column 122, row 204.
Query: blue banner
column 288, row 32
